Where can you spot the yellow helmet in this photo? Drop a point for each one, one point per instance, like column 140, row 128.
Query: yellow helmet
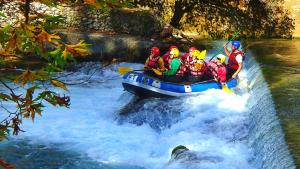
column 199, row 55
column 221, row 57
column 174, row 52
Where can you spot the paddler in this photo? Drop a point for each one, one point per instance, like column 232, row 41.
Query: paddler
column 154, row 61
column 235, row 61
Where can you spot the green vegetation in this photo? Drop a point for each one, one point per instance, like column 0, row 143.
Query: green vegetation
column 256, row 18
column 28, row 90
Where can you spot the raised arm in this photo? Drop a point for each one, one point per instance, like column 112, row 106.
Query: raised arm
column 226, row 50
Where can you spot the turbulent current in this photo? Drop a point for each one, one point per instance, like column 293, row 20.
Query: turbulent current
column 106, row 127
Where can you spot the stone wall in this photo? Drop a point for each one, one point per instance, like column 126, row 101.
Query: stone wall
column 131, row 21
column 123, row 47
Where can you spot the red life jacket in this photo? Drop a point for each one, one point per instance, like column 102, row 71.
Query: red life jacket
column 232, row 63
column 186, row 57
column 153, row 62
column 197, row 73
column 212, row 69
column 189, row 58
column 181, row 70
column 167, row 60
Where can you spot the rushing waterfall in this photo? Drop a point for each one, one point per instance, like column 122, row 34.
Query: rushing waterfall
column 265, row 133
column 107, row 127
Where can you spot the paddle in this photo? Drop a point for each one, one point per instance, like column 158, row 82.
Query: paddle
column 124, row 70
column 226, row 89
column 157, row 72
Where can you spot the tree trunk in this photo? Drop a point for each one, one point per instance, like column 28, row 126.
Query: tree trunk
column 178, row 14
column 27, row 9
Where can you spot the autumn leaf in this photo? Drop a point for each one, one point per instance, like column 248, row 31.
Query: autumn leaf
column 59, row 84
column 29, row 92
column 80, row 49
column 27, row 76
column 11, row 45
column 5, row 165
column 62, row 101
column 32, row 28
column 15, row 98
column 94, row 3
column 46, row 37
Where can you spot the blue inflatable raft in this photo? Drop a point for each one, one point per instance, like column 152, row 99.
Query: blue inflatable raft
column 143, row 85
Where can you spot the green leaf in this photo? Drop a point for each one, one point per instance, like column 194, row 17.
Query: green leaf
column 49, row 3
column 4, row 34
column 2, row 14
column 3, row 132
column 4, row 97
column 52, row 22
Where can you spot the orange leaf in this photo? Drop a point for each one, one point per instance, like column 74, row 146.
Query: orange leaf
column 25, row 77
column 80, row 49
column 93, row 3
column 59, row 84
column 11, row 45
column 46, row 37
column 6, row 165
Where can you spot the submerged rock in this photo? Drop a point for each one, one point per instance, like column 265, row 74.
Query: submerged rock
column 182, row 157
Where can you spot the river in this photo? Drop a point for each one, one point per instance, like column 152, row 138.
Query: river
column 280, row 64
column 100, row 130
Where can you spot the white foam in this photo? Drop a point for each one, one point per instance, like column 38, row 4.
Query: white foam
column 212, row 124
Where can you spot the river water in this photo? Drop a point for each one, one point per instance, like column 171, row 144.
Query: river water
column 280, row 64
column 107, row 127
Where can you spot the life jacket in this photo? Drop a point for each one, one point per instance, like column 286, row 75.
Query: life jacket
column 197, row 72
column 167, row 60
column 153, row 62
column 189, row 59
column 181, row 70
column 212, row 69
column 232, row 63
column 186, row 57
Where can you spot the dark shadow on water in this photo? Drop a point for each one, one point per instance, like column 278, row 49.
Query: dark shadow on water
column 158, row 113
column 25, row 155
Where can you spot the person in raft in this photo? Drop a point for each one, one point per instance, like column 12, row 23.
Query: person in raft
column 187, row 57
column 235, row 61
column 196, row 66
column 176, row 70
column 216, row 69
column 166, row 57
column 154, row 61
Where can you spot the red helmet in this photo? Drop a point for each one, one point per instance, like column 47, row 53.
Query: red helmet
column 172, row 47
column 155, row 51
column 191, row 49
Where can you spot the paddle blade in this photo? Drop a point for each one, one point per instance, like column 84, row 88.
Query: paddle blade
column 156, row 71
column 124, row 70
column 226, row 89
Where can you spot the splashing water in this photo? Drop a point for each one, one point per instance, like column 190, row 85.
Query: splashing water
column 216, row 126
